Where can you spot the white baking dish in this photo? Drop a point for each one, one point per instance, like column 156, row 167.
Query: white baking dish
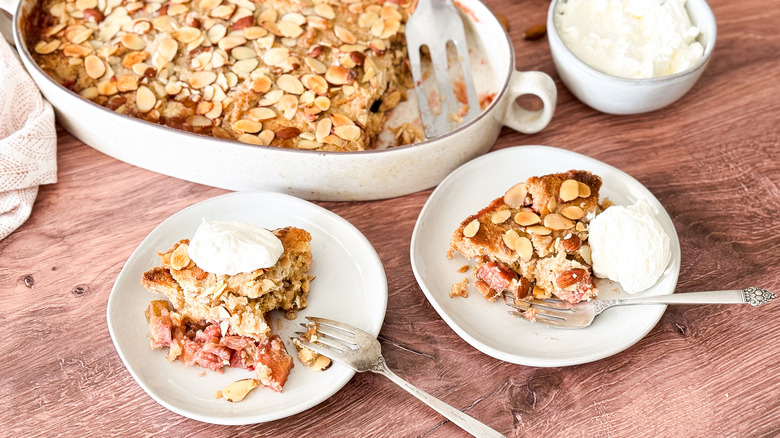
column 313, row 175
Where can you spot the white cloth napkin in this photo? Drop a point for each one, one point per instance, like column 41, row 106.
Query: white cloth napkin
column 28, row 142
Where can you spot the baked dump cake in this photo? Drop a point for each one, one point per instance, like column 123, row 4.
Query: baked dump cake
column 219, row 320
column 303, row 74
column 533, row 241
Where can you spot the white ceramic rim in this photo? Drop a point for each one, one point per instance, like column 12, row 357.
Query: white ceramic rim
column 370, row 265
column 708, row 49
column 23, row 51
column 654, row 314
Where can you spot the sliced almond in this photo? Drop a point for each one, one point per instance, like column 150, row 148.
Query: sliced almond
column 524, row 248
column 348, row 132
column 570, row 190
column 276, row 56
column 500, row 216
column 231, row 41
column 288, row 105
column 290, row 29
column 247, row 126
column 324, row 10
column 222, row 11
column 580, row 227
column 509, row 238
column 340, row 120
column 207, row 5
column 321, row 363
column 572, row 212
column 199, row 121
column 94, row 66
column 243, row 52
column 202, row 78
column 261, row 84
column 44, row 48
column 308, row 144
column 254, row 32
column 290, row 84
column 390, row 29
column 270, row 98
column 390, row 13
column 338, row 75
column 294, row 17
column 268, row 15
column 585, row 253
column 237, row 391
column 250, row 139
column 471, row 229
column 515, row 196
column 132, row 41
column 168, row 48
column 127, row 82
column 244, row 67
column 322, row 103
column 266, row 137
column 527, row 218
column 144, row 99
column 261, row 114
column 315, row 65
column 344, row 35
column 366, row 19
column 539, row 230
column 179, row 257
column 584, row 190
column 323, row 129
column 552, row 204
column 555, row 221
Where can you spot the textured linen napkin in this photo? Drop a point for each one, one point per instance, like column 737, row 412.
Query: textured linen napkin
column 28, row 142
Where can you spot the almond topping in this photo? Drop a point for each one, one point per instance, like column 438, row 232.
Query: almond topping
column 288, row 105
column 126, row 83
column 585, row 253
column 366, row 19
column 271, row 98
column 509, row 238
column 266, row 137
column 344, row 35
column 323, row 129
column 132, row 41
column 287, row 132
column 552, row 204
column 308, row 144
column 324, row 11
column 290, row 84
column 571, row 242
column 348, row 132
column 276, row 56
column 236, row 391
column 254, row 32
column 250, row 139
column 340, row 120
column 555, row 221
column 168, row 48
column 500, row 216
column 471, row 229
column 144, row 99
column 527, row 218
column 202, row 78
column 515, row 196
column 572, row 212
column 179, row 257
column 570, row 277
column 316, row 83
column 524, row 248
column 94, row 66
column 198, row 121
column 539, row 230
column 315, row 65
column 290, row 29
column 338, row 75
column 261, row 114
column 580, row 227
column 261, row 84
column 247, row 126
column 570, row 190
column 45, row 48
column 229, row 42
column 584, row 190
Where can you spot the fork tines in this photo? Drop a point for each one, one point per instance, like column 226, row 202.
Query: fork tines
column 549, row 312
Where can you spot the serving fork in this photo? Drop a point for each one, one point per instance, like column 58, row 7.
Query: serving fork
column 360, row 351
column 561, row 314
column 433, row 25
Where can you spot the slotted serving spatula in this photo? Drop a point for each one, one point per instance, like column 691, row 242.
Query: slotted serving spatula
column 433, row 24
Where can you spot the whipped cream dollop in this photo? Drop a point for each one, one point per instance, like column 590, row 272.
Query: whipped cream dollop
column 229, row 248
column 628, row 245
column 630, row 38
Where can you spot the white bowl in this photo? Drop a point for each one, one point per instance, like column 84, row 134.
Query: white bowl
column 616, row 95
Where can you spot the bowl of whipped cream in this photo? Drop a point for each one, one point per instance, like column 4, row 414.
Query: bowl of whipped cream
column 630, row 56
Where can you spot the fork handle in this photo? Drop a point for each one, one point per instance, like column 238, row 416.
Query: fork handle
column 465, row 421
column 752, row 295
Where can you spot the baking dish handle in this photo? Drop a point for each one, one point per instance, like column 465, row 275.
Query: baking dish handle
column 6, row 24
column 529, row 82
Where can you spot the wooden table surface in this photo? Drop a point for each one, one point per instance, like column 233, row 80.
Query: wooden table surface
column 711, row 159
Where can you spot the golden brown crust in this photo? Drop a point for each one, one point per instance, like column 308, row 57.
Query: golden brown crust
column 327, row 70
column 534, row 240
column 242, row 299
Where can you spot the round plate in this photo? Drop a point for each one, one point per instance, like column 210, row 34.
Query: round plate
column 350, row 286
column 487, row 326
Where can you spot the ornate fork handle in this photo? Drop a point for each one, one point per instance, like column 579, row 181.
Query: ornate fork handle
column 754, row 296
column 466, row 422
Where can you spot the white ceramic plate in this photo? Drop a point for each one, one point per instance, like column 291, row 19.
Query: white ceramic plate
column 350, row 286
column 487, row 326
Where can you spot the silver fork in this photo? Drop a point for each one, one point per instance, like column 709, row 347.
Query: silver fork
column 560, row 314
column 433, row 24
column 360, row 351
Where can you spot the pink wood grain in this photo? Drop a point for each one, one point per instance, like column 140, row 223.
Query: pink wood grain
column 711, row 158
